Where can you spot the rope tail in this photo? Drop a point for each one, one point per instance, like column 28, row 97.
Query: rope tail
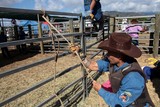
column 56, row 59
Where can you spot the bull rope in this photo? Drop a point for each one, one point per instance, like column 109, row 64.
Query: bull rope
column 70, row 44
column 56, row 59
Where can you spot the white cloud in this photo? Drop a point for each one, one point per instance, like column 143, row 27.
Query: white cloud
column 77, row 5
column 8, row 2
column 131, row 5
column 60, row 5
column 156, row 1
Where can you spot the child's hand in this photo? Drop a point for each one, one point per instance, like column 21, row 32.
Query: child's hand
column 96, row 85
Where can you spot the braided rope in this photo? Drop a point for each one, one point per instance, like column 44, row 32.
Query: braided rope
column 56, row 59
column 70, row 44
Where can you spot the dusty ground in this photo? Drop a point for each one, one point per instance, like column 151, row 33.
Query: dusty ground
column 12, row 84
column 15, row 83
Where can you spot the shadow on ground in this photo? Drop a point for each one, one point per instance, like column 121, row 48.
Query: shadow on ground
column 15, row 56
column 72, row 99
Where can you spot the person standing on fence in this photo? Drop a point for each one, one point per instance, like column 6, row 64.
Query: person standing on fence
column 3, row 38
column 22, row 37
column 126, row 77
column 134, row 30
column 96, row 16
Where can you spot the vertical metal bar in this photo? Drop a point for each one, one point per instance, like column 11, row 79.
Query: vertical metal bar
column 103, row 30
column 40, row 34
column 152, row 35
column 16, row 35
column 30, row 33
column 83, row 47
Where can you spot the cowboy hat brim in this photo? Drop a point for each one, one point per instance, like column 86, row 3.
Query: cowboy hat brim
column 132, row 52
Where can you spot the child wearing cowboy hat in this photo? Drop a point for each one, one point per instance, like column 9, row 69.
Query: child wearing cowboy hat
column 126, row 77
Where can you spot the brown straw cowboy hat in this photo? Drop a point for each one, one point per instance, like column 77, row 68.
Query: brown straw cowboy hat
column 121, row 42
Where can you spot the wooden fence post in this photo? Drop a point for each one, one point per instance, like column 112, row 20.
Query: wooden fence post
column 114, row 24
column 109, row 20
column 71, row 30
column 156, row 36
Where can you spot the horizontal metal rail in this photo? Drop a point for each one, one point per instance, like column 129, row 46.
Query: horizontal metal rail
column 77, row 95
column 37, row 85
column 145, row 46
column 137, row 24
column 63, row 89
column 18, row 42
column 40, row 83
column 131, row 17
column 73, row 98
column 22, row 68
column 19, row 69
column 59, row 92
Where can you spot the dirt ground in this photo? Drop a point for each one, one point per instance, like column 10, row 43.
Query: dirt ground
column 153, row 87
column 15, row 83
column 12, row 84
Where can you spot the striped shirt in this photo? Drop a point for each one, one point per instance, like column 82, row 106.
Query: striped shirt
column 133, row 30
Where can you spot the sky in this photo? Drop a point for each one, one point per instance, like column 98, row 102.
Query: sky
column 76, row 6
